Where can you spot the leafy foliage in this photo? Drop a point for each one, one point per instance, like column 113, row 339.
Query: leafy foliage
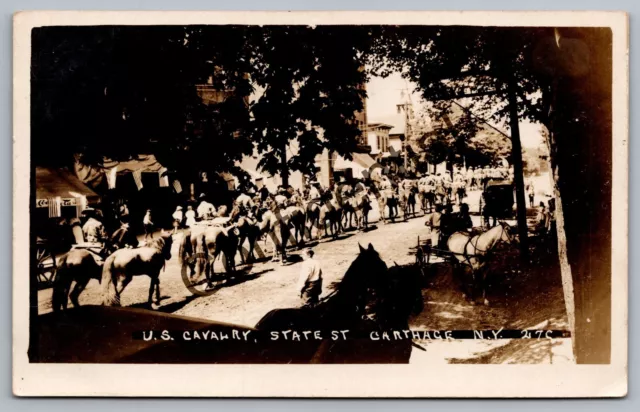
column 121, row 91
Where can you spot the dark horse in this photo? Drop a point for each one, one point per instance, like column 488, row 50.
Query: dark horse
column 370, row 298
column 77, row 265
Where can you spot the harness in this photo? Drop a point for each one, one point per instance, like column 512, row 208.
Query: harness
column 484, row 253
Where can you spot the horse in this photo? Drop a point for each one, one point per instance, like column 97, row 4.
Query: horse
column 428, row 198
column 298, row 218
column 330, row 211
column 77, row 265
column 360, row 205
column 472, row 252
column 313, row 218
column 276, row 223
column 120, row 267
column 201, row 247
column 371, row 298
column 248, row 229
column 407, row 200
column 388, row 198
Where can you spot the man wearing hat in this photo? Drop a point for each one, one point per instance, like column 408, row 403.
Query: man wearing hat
column 310, row 281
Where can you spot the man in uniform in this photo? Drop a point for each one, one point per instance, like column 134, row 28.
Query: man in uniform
column 310, row 280
column 469, row 178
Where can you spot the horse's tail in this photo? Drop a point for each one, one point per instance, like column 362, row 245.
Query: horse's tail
column 61, row 286
column 185, row 248
column 109, row 297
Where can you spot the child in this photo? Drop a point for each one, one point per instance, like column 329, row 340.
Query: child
column 191, row 217
column 177, row 219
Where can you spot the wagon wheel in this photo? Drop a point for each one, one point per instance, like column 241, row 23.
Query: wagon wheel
column 47, row 266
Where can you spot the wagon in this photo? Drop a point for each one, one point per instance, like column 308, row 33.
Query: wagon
column 46, row 264
column 496, row 201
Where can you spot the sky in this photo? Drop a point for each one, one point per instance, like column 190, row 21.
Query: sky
column 384, row 94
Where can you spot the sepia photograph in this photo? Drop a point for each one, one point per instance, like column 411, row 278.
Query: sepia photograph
column 287, row 190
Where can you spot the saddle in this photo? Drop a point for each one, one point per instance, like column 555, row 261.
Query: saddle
column 98, row 250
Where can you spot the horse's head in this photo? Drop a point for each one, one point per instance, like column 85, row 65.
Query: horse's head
column 507, row 235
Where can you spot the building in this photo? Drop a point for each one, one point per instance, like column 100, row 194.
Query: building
column 395, row 142
column 378, row 138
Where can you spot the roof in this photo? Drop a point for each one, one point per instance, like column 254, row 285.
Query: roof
column 380, row 125
column 52, row 183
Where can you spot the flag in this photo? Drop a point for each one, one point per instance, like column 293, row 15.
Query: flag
column 137, row 176
column 177, row 186
column 54, row 207
column 164, row 180
column 111, row 177
column 81, row 204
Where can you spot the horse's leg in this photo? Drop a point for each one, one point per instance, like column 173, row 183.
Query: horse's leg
column 252, row 242
column 77, row 290
column 158, row 290
column 120, row 285
column 243, row 237
column 152, row 288
column 208, row 271
column 484, row 282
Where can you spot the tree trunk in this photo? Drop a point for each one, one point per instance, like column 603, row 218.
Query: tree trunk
column 284, row 169
column 563, row 258
column 516, row 155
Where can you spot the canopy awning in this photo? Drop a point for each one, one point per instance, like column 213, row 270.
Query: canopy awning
column 143, row 163
column 364, row 161
column 53, row 183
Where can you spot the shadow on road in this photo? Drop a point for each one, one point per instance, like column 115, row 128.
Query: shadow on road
column 529, row 351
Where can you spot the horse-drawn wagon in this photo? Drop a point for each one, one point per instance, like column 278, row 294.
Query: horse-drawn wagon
column 466, row 252
column 496, row 202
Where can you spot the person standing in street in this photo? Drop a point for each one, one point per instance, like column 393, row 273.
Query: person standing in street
column 148, row 225
column 433, row 221
column 178, row 217
column 531, row 192
column 190, row 217
column 310, row 281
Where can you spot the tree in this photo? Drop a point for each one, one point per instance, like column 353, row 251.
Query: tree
column 562, row 82
column 310, row 95
column 118, row 92
column 121, row 91
column 456, row 136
